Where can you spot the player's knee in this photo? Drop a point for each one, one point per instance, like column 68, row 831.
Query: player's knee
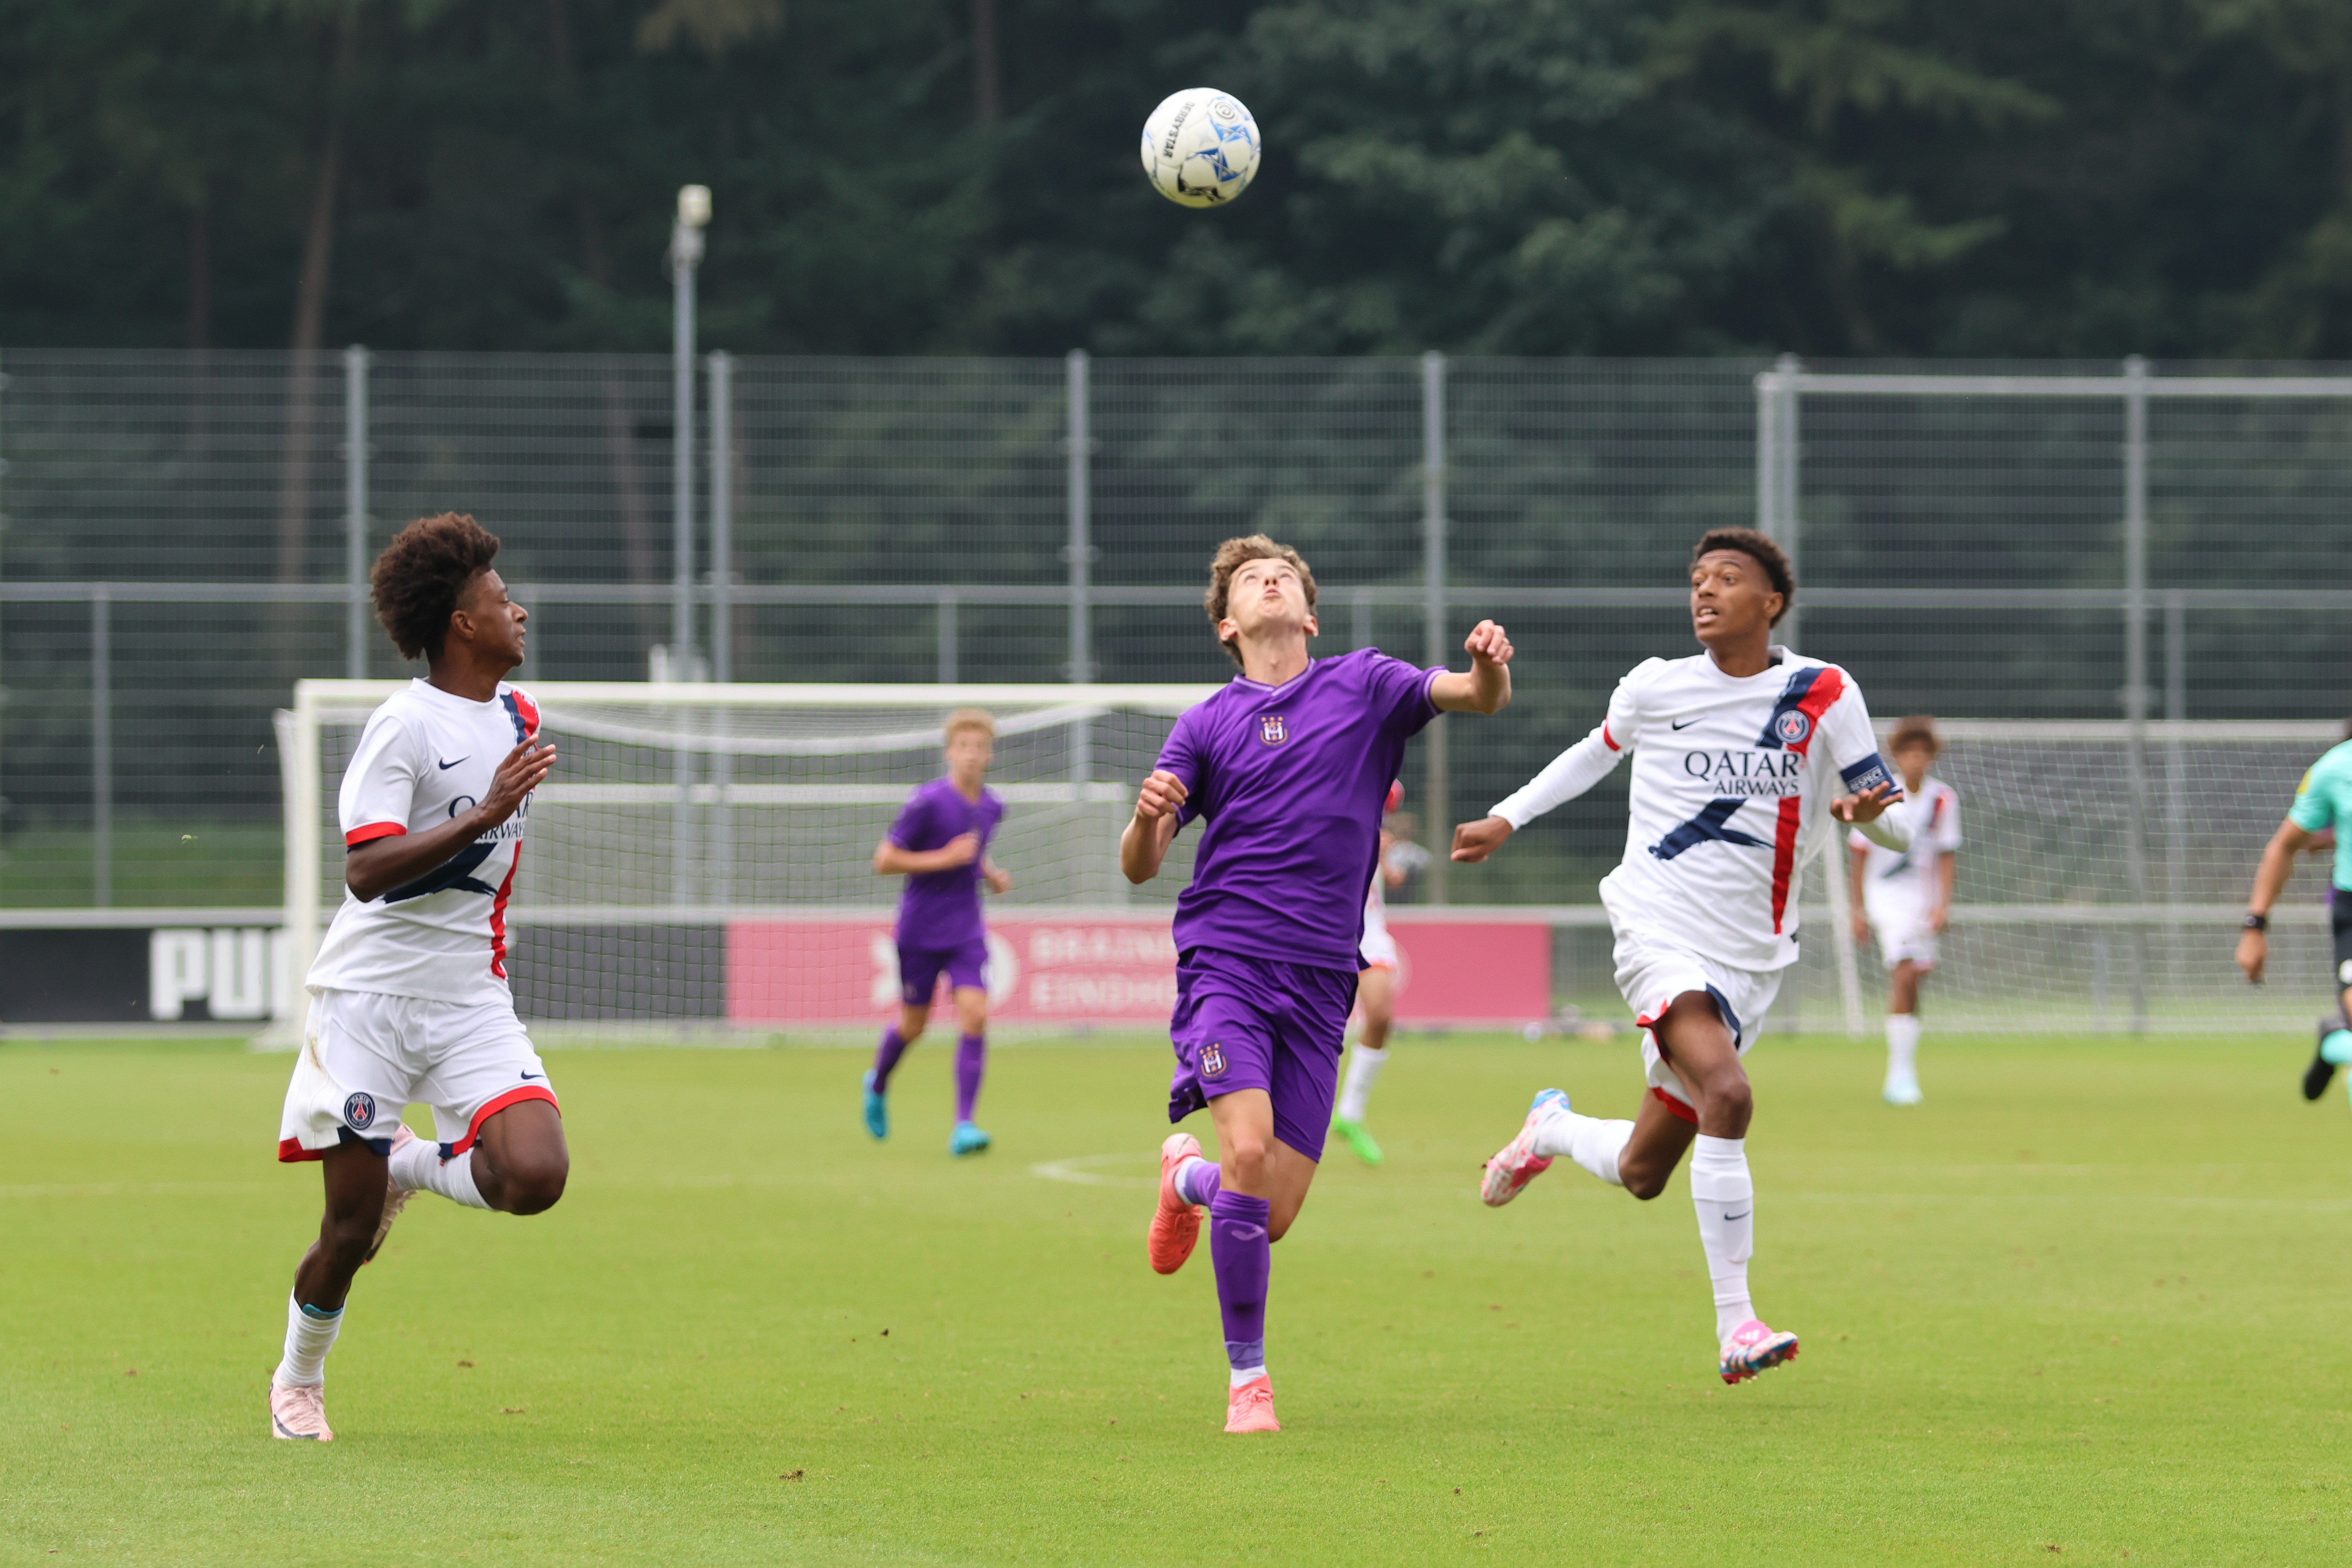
column 346, row 1237
column 1729, row 1097
column 1643, row 1184
column 536, row 1182
column 1247, row 1161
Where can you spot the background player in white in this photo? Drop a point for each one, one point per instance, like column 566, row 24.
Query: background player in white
column 1376, row 985
column 1906, row 897
column 1742, row 757
column 409, row 998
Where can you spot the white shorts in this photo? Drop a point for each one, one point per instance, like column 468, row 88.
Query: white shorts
column 1650, row 973
column 1379, row 949
column 365, row 1055
column 1900, row 927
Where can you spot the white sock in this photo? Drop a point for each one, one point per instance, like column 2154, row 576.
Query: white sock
column 310, row 1334
column 1587, row 1139
column 1364, row 1066
column 419, row 1167
column 1901, row 1046
column 1724, row 1196
column 1249, row 1375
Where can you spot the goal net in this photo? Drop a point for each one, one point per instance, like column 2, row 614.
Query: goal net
column 702, row 860
column 2101, row 884
column 702, row 856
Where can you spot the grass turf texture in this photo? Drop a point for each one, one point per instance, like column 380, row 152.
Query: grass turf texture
column 2083, row 1302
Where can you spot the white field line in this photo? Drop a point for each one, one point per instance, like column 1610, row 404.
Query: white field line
column 1080, row 1169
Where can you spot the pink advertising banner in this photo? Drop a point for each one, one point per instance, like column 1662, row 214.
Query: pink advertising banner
column 1111, row 969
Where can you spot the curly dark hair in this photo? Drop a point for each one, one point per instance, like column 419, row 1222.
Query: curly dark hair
column 421, row 574
column 1759, row 548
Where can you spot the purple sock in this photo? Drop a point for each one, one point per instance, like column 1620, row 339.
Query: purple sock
column 1244, row 1257
column 886, row 1056
column 971, row 1057
column 1198, row 1182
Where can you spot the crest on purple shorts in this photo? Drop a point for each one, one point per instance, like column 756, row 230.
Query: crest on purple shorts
column 360, row 1112
column 1213, row 1060
column 1273, row 729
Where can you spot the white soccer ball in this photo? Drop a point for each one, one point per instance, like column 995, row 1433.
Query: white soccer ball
column 1201, row 147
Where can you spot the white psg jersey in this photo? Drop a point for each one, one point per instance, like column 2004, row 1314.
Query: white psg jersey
column 1732, row 781
column 424, row 756
column 1905, row 879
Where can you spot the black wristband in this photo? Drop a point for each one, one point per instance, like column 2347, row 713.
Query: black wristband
column 2258, row 922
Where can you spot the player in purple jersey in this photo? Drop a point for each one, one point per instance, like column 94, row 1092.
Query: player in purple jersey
column 1288, row 766
column 940, row 843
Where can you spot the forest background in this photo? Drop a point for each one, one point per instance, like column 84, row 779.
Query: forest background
column 2042, row 178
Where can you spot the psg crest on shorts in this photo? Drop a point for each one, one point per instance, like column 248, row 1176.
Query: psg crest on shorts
column 1792, row 727
column 360, row 1112
column 1273, row 729
column 1213, row 1060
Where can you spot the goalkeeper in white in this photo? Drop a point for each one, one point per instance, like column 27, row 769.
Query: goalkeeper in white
column 1742, row 757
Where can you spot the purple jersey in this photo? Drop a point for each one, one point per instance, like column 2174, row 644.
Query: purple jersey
column 1291, row 779
column 941, row 910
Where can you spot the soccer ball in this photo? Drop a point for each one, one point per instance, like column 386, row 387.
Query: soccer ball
column 1201, row 147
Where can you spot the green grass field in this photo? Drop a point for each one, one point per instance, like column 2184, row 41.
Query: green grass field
column 2084, row 1304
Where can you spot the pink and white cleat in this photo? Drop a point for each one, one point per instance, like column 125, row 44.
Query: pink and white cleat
column 1518, row 1163
column 1250, row 1407
column 396, row 1196
column 1753, row 1348
column 298, row 1411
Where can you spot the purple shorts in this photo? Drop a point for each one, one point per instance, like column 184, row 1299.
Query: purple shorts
column 1252, row 1022
column 919, row 967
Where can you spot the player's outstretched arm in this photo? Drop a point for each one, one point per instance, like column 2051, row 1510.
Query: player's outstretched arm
column 1486, row 688
column 1872, row 811
column 1144, row 844
column 373, row 869
column 2269, row 881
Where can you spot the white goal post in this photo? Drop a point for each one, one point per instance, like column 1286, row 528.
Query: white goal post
column 701, row 859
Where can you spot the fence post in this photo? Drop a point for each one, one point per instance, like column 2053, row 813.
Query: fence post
column 948, row 637
column 355, row 510
column 2135, row 370
column 1433, row 611
column 1079, row 550
column 101, row 749
column 2176, row 753
column 1788, row 457
column 722, row 516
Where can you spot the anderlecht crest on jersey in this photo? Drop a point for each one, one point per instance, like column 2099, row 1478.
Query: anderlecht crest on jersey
column 1273, row 729
column 1792, row 727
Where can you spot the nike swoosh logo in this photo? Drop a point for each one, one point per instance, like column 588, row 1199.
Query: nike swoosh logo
column 529, row 1076
column 1730, row 1217
column 1684, row 725
column 446, row 766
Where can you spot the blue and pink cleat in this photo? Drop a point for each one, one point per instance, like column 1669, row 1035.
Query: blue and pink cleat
column 1518, row 1163
column 1753, row 1348
column 878, row 1109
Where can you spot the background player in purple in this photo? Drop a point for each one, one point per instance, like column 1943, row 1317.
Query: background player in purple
column 940, row 843
column 1289, row 766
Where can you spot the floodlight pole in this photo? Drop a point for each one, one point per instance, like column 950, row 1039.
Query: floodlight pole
column 685, row 255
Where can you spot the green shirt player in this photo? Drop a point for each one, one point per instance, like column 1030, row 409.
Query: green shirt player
column 2321, row 812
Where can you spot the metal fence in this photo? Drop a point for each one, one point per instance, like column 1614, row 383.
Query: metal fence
column 187, row 534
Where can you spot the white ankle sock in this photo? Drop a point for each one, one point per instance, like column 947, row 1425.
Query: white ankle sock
column 309, row 1335
column 1901, row 1045
column 1587, row 1139
column 1364, row 1066
column 1724, row 1196
column 1239, row 1376
column 419, row 1167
